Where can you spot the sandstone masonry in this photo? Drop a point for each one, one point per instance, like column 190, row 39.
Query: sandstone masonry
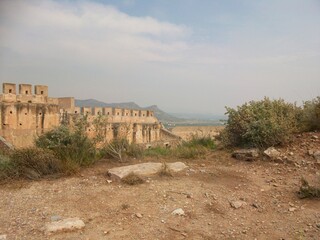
column 25, row 115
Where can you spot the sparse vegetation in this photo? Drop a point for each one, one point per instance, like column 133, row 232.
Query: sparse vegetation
column 307, row 191
column 34, row 163
column 311, row 115
column 262, row 123
column 73, row 147
column 132, row 179
column 165, row 171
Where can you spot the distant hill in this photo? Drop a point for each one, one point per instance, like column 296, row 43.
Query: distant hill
column 161, row 115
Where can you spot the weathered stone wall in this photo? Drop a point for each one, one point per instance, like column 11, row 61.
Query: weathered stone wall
column 22, row 122
column 25, row 116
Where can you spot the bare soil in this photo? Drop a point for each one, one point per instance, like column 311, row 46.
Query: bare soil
column 112, row 210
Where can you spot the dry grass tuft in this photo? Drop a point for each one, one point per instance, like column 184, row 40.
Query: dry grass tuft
column 165, row 171
column 132, row 179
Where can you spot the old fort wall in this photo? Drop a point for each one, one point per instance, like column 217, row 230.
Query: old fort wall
column 26, row 115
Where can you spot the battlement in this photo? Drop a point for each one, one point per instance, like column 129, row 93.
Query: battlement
column 9, row 94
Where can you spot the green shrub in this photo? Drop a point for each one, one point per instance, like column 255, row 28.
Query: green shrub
column 33, row 163
column 74, row 147
column 311, row 115
column 6, row 167
column 261, row 124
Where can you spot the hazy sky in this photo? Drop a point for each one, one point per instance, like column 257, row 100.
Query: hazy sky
column 183, row 55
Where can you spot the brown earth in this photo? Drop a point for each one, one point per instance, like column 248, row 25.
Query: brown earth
column 272, row 210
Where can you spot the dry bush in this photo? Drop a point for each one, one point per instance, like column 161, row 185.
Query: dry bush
column 132, row 179
column 34, row 163
column 165, row 171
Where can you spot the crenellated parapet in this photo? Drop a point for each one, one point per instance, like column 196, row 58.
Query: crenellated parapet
column 112, row 114
column 25, row 95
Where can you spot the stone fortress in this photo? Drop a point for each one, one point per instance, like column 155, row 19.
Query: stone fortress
column 25, row 116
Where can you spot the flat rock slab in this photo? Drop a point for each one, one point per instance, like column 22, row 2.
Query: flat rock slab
column 144, row 169
column 68, row 224
column 246, row 154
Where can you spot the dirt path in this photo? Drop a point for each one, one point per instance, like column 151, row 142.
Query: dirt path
column 109, row 209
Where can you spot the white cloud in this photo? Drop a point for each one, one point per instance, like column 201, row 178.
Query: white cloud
column 97, row 47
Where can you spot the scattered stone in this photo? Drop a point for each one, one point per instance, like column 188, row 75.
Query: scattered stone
column 272, row 153
column 246, row 154
column 316, row 155
column 310, row 152
column 178, row 211
column 144, row 169
column 291, row 153
column 318, row 225
column 292, row 209
column 55, row 218
column 3, row 237
column 255, row 205
column 138, row 215
column 314, row 137
column 237, row 204
column 68, row 224
column 109, row 181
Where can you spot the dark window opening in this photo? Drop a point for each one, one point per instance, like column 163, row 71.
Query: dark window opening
column 143, row 115
column 10, row 90
column 118, row 114
column 10, row 112
column 75, row 111
column 135, row 114
column 20, row 124
column 126, row 114
column 108, row 113
column 29, row 101
column 27, row 92
column 25, row 113
column 40, row 113
column 41, row 92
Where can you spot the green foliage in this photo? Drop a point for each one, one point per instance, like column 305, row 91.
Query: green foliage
column 71, row 146
column 262, row 123
column 196, row 141
column 307, row 191
column 6, row 167
column 311, row 115
column 34, row 163
column 100, row 125
column 158, row 152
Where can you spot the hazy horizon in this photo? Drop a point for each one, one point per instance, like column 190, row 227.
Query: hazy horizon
column 184, row 56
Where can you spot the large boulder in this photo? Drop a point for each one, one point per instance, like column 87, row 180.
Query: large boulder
column 246, row 154
column 144, row 169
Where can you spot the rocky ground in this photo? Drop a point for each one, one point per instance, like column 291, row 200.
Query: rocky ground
column 218, row 197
